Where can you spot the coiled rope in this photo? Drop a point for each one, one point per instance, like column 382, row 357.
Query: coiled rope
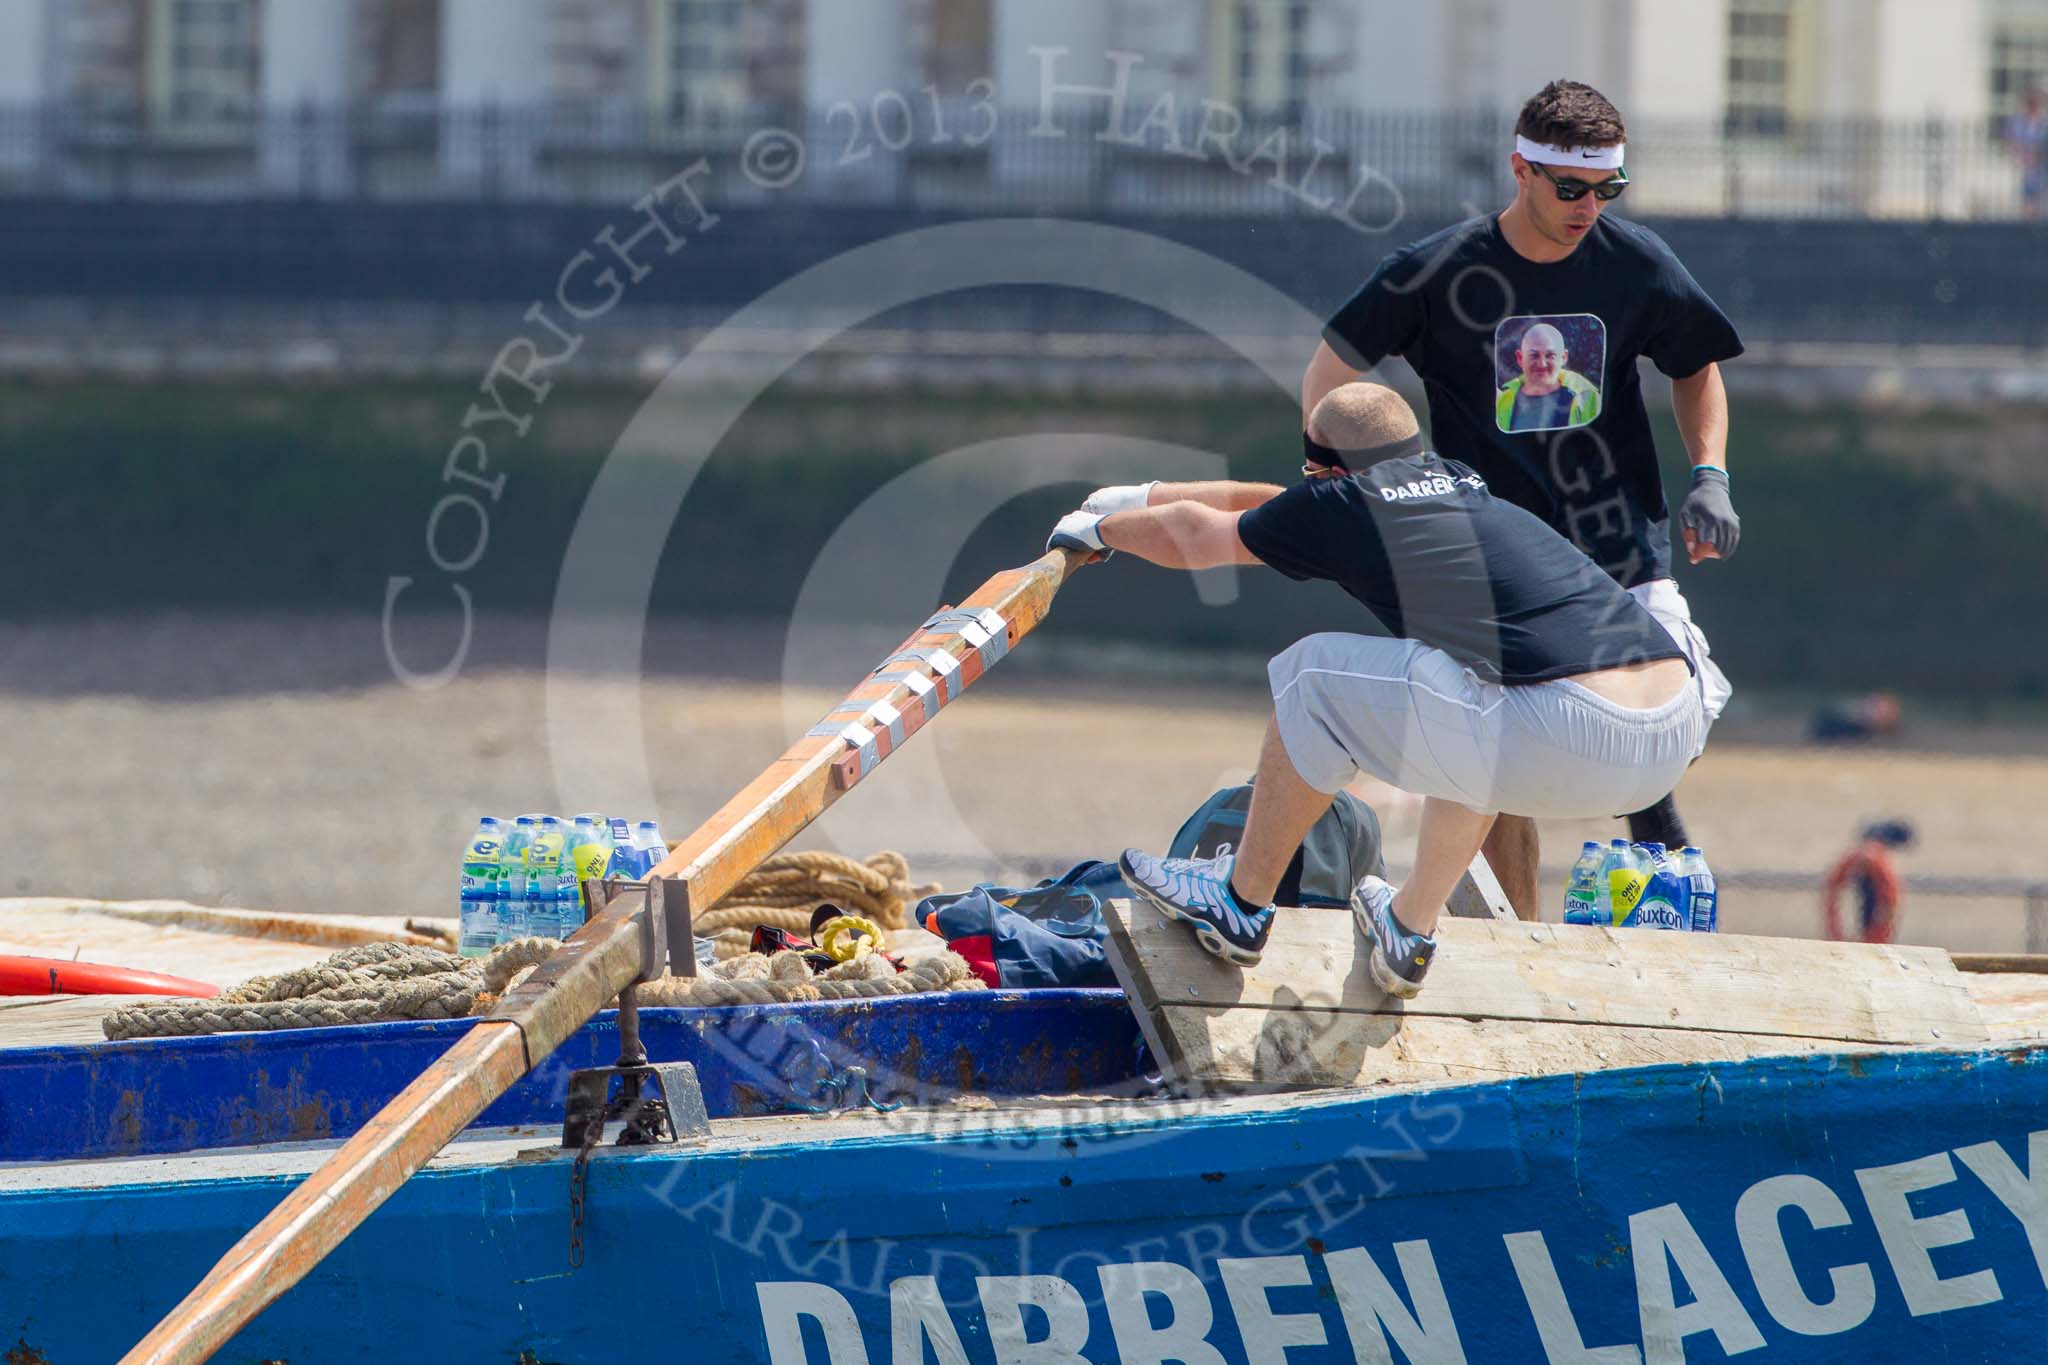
column 374, row 983
column 786, row 889
column 752, row 979
column 380, row 982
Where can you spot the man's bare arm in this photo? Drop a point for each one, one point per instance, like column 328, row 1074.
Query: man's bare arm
column 1700, row 403
column 1222, row 494
column 1326, row 370
column 1180, row 535
column 1707, row 520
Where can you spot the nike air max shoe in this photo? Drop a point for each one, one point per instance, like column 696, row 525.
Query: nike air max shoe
column 1398, row 958
column 1196, row 891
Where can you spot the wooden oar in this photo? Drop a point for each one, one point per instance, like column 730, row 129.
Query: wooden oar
column 907, row 689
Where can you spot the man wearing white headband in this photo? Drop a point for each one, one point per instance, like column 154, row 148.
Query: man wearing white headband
column 1572, row 445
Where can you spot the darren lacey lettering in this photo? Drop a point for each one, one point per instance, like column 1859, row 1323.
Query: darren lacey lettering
column 1811, row 1268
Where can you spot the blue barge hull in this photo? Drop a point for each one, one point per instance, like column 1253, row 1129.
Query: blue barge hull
column 163, row 1095
column 1872, row 1207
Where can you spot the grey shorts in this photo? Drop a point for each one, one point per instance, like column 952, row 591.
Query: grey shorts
column 1418, row 720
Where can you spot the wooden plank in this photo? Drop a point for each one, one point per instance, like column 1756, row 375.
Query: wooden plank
column 1575, row 974
column 2014, row 1005
column 2026, row 964
column 1478, row 895
column 1206, row 1048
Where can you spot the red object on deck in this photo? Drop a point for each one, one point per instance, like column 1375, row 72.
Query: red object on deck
column 60, row 976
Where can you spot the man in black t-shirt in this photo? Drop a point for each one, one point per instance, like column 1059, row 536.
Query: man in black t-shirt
column 1525, row 327
column 1519, row 678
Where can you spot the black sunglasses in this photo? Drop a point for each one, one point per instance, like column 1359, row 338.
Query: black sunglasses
column 1571, row 188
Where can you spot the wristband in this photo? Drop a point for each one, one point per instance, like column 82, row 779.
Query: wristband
column 1700, row 469
column 1123, row 497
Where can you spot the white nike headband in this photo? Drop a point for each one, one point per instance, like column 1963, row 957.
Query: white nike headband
column 1592, row 158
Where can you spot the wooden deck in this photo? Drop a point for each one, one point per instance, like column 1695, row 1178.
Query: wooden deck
column 224, row 947
column 1504, row 1000
column 1539, row 999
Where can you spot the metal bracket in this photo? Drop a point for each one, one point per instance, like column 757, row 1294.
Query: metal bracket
column 672, row 1112
column 668, row 944
column 668, row 904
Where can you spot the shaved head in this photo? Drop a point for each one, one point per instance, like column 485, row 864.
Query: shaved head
column 1542, row 357
column 1359, row 416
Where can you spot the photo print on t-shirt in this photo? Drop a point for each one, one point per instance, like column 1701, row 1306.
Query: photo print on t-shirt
column 1546, row 371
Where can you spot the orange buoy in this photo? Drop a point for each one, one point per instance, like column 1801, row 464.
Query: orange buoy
column 60, row 976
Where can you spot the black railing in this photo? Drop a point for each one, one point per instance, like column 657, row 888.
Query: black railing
column 960, row 155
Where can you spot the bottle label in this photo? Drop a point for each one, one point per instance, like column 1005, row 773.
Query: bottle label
column 1624, row 889
column 1655, row 912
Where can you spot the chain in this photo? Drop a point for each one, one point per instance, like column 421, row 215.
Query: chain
column 833, row 1089
column 578, row 1178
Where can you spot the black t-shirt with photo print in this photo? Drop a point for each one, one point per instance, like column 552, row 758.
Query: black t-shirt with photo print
column 1459, row 306
column 1437, row 558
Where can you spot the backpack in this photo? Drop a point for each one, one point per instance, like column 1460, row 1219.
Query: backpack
column 1342, row 846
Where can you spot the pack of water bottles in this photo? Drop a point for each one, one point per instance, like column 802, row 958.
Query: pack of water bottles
column 524, row 879
column 1642, row 886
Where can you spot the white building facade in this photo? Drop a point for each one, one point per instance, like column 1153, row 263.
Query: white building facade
column 1737, row 74
column 1656, row 58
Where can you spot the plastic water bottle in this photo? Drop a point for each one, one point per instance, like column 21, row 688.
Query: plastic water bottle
column 515, row 912
column 648, row 843
column 544, row 879
column 586, row 854
column 1623, row 875
column 622, row 863
column 1704, row 908
column 483, row 889
column 1663, row 903
column 1582, row 890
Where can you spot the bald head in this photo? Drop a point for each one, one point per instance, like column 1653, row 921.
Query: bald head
column 1542, row 357
column 1359, row 416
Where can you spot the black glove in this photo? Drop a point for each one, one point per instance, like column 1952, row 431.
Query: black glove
column 1709, row 513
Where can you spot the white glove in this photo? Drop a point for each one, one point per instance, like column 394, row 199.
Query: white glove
column 1122, row 497
column 1078, row 531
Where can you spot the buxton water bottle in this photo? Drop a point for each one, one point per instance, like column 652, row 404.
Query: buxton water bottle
column 649, row 844
column 1704, row 910
column 1582, row 889
column 483, row 889
column 544, row 879
column 622, row 864
column 515, row 914
column 1664, row 898
column 585, row 856
column 1623, row 875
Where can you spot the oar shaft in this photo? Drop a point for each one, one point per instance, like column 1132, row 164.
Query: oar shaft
column 599, row 960
column 933, row 667
column 315, row 1218
column 562, row 993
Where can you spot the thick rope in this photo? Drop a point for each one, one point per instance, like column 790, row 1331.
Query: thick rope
column 374, row 983
column 787, row 889
column 378, row 982
column 783, row 979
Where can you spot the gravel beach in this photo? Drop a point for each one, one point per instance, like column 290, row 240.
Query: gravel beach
column 274, row 762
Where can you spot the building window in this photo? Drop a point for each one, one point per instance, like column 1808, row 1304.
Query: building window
column 1759, row 62
column 707, row 57
column 403, row 60
column 1271, row 72
column 2019, row 54
column 208, row 59
column 959, row 43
